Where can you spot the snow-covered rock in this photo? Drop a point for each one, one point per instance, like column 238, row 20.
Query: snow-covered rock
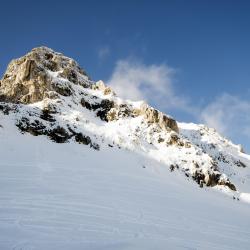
column 49, row 94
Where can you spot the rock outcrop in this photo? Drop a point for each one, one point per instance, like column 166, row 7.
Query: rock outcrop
column 39, row 74
column 100, row 85
column 151, row 115
column 155, row 116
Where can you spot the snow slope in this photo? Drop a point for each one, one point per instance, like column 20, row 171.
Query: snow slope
column 69, row 196
column 122, row 175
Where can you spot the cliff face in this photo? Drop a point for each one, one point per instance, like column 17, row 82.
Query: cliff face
column 30, row 78
column 46, row 93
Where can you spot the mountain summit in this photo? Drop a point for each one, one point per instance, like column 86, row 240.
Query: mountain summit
column 32, row 78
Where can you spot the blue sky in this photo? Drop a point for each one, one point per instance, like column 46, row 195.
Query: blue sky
column 195, row 53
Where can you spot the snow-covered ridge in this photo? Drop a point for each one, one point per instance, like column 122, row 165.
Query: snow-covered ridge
column 46, row 93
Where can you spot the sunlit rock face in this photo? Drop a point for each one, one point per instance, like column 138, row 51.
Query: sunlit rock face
column 31, row 78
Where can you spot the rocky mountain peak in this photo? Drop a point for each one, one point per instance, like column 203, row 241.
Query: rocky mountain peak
column 44, row 75
column 48, row 94
column 31, row 78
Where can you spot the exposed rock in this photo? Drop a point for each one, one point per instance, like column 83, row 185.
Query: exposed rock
column 82, row 139
column 228, row 184
column 105, row 106
column 119, row 111
column 51, row 95
column 199, row 177
column 46, row 115
column 174, row 139
column 95, row 146
column 5, row 108
column 160, row 140
column 86, row 104
column 62, row 89
column 69, row 74
column 240, row 164
column 154, row 116
column 35, row 128
column 211, row 179
column 187, row 144
column 112, row 115
column 58, row 134
column 173, row 167
column 151, row 115
column 137, row 112
column 102, row 87
column 29, row 79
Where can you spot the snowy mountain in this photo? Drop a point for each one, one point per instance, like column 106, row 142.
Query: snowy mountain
column 82, row 168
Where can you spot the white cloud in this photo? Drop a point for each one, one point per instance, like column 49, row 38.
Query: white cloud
column 229, row 114
column 134, row 80
column 103, row 52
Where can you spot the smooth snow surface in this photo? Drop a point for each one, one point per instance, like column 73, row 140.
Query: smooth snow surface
column 69, row 196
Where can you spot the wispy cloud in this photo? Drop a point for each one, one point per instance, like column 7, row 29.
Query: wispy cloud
column 229, row 114
column 103, row 52
column 132, row 79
